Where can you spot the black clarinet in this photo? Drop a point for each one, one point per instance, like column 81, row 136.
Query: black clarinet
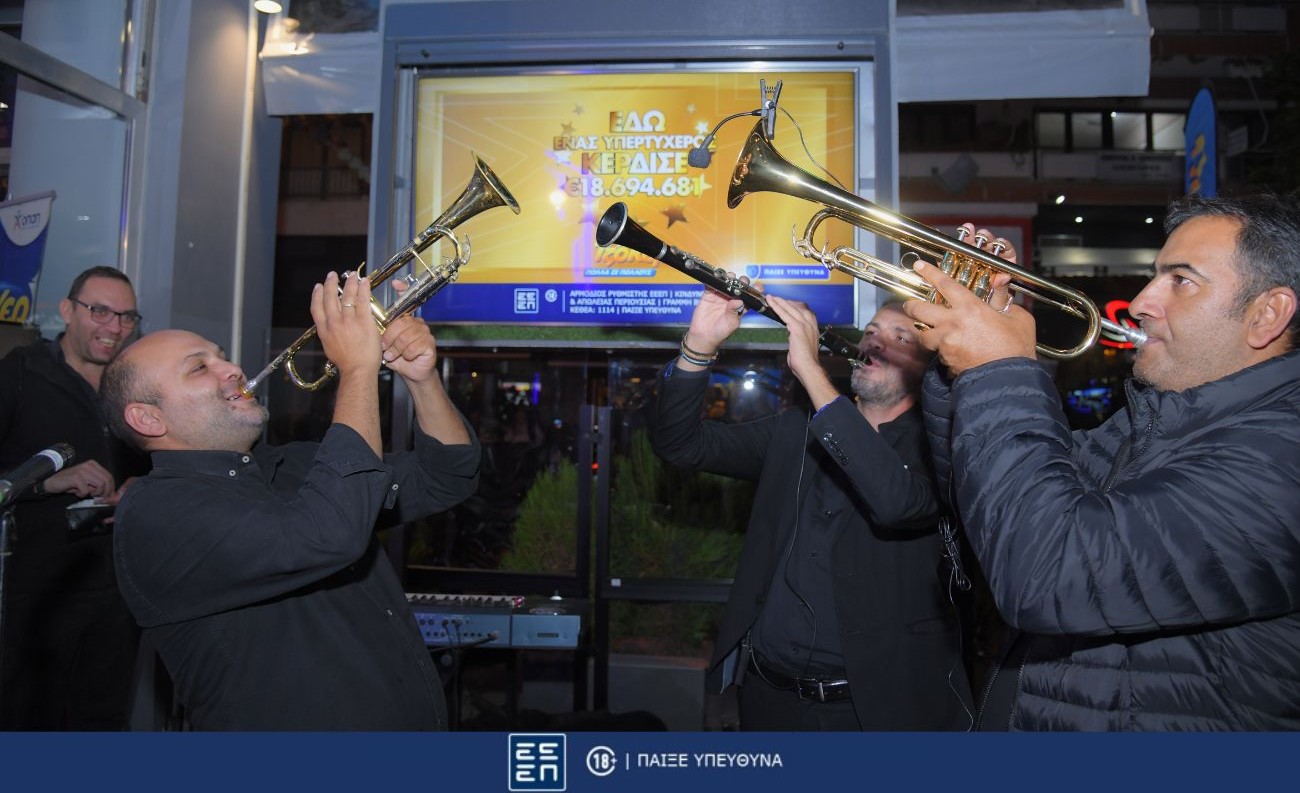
column 616, row 227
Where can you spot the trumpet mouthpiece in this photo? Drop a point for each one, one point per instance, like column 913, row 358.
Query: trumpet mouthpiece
column 1120, row 332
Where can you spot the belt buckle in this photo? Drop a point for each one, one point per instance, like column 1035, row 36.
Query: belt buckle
column 810, row 689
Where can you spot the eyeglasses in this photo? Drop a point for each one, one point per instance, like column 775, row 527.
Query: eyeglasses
column 102, row 315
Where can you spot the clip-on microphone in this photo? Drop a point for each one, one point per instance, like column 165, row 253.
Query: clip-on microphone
column 700, row 156
column 769, row 107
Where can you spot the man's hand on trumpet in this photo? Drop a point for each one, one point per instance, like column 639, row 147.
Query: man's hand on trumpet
column 411, row 351
column 350, row 339
column 341, row 314
column 409, row 347
column 969, row 332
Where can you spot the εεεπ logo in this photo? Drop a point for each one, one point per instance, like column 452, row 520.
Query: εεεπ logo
column 537, row 762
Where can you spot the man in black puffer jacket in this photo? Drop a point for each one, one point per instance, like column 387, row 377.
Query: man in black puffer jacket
column 1151, row 566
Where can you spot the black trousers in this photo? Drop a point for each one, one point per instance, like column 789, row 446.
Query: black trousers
column 764, row 708
column 69, row 661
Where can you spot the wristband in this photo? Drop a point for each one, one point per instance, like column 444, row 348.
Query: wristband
column 697, row 358
column 685, row 356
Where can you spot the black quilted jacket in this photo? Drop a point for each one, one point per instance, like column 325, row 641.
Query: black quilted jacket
column 1152, row 564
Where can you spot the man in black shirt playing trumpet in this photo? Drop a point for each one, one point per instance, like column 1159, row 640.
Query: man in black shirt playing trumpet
column 255, row 568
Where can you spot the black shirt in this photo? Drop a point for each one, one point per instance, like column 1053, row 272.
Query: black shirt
column 44, row 401
column 259, row 579
column 797, row 632
column 894, row 620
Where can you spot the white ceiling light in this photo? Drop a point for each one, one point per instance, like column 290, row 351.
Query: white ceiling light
column 267, row 6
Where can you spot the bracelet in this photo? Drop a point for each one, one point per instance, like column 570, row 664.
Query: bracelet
column 697, row 358
column 685, row 356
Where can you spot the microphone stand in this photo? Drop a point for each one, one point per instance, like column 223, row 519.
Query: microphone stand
column 6, row 537
column 454, row 652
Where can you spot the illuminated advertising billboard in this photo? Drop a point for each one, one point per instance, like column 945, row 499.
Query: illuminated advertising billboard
column 569, row 146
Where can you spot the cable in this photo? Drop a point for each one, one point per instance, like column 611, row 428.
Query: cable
column 957, row 578
column 789, row 551
column 961, row 641
column 804, row 144
column 952, row 553
column 700, row 156
column 785, row 576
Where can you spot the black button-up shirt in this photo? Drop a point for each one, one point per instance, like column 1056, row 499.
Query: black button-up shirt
column 797, row 631
column 258, row 578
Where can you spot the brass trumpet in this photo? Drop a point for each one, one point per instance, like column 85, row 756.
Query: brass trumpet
column 484, row 191
column 761, row 168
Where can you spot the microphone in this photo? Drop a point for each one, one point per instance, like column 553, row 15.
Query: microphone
column 700, row 156
column 44, row 464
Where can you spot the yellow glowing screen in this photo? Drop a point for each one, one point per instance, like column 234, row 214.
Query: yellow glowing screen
column 567, row 146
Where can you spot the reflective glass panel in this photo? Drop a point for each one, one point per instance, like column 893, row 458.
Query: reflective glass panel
column 1085, row 130
column 1167, row 131
column 1051, row 130
column 1130, row 130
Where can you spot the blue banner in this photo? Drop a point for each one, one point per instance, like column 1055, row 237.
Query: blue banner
column 627, row 762
column 616, row 304
column 1200, row 175
column 22, row 246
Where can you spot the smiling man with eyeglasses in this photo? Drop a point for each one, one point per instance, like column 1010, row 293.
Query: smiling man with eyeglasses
column 103, row 314
column 100, row 314
column 69, row 642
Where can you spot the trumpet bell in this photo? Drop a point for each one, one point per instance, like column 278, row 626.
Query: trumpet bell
column 483, row 192
column 761, row 168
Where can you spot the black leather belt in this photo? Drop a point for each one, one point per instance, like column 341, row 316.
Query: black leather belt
column 814, row 688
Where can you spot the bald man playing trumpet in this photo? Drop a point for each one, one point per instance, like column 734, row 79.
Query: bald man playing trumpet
column 254, row 568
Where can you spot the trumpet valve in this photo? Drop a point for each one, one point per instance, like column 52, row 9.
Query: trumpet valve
column 981, row 241
column 983, row 287
column 962, row 231
column 949, row 262
column 965, row 273
column 999, row 245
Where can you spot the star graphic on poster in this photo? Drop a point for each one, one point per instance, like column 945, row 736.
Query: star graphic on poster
column 563, row 156
column 566, row 128
column 703, row 184
column 701, row 127
column 690, row 108
column 577, row 110
column 675, row 214
column 588, row 214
